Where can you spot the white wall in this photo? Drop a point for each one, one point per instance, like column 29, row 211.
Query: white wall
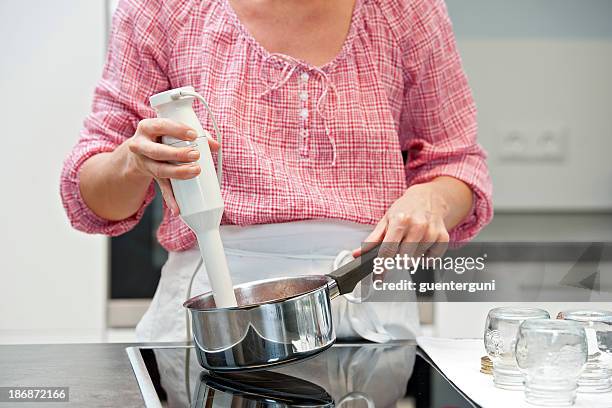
column 52, row 279
column 536, row 84
column 537, row 65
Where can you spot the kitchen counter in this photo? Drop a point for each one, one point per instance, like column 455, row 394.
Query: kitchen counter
column 99, row 375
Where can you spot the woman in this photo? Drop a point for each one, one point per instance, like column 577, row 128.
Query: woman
column 316, row 101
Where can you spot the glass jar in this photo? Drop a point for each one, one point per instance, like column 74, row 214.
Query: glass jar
column 500, row 338
column 597, row 375
column 551, row 354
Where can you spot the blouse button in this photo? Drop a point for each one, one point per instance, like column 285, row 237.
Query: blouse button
column 304, row 95
column 304, row 77
column 304, row 113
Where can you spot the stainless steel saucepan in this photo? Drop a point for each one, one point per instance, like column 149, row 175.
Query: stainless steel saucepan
column 277, row 320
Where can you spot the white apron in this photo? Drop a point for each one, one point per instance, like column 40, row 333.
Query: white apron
column 312, row 247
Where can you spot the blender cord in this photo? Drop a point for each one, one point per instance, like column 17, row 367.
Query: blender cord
column 188, row 330
column 199, row 97
column 215, row 127
column 187, row 296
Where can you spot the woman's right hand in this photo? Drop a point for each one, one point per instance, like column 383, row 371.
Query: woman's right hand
column 148, row 157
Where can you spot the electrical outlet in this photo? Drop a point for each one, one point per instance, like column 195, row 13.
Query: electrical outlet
column 533, row 143
column 551, row 144
column 514, row 145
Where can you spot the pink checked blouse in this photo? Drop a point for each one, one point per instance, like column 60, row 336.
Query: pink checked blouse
column 299, row 141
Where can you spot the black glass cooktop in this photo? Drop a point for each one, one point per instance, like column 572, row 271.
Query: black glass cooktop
column 347, row 375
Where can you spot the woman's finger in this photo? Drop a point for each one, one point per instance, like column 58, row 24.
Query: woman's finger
column 413, row 238
column 155, row 128
column 440, row 247
column 429, row 238
column 396, row 231
column 161, row 152
column 159, row 169
column 168, row 194
column 373, row 239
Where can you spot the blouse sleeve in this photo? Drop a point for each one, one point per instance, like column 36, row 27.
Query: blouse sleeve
column 438, row 127
column 134, row 70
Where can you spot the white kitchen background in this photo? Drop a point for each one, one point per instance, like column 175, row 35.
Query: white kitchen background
column 541, row 75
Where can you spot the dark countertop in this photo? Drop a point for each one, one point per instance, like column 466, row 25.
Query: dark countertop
column 99, row 375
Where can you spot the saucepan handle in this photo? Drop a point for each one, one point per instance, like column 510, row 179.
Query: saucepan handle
column 348, row 276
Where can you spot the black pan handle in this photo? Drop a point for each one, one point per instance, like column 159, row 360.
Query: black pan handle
column 349, row 275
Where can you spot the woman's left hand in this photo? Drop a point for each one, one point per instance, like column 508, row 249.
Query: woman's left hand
column 419, row 221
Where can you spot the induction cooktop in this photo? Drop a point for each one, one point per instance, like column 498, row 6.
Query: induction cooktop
column 369, row 375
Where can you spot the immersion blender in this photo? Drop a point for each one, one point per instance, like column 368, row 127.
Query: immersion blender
column 199, row 199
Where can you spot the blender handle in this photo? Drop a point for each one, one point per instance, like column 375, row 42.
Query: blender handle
column 348, row 276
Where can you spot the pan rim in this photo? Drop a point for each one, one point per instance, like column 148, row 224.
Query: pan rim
column 322, row 278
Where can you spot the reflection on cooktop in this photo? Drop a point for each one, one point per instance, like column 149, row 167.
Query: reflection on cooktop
column 346, row 375
column 264, row 386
